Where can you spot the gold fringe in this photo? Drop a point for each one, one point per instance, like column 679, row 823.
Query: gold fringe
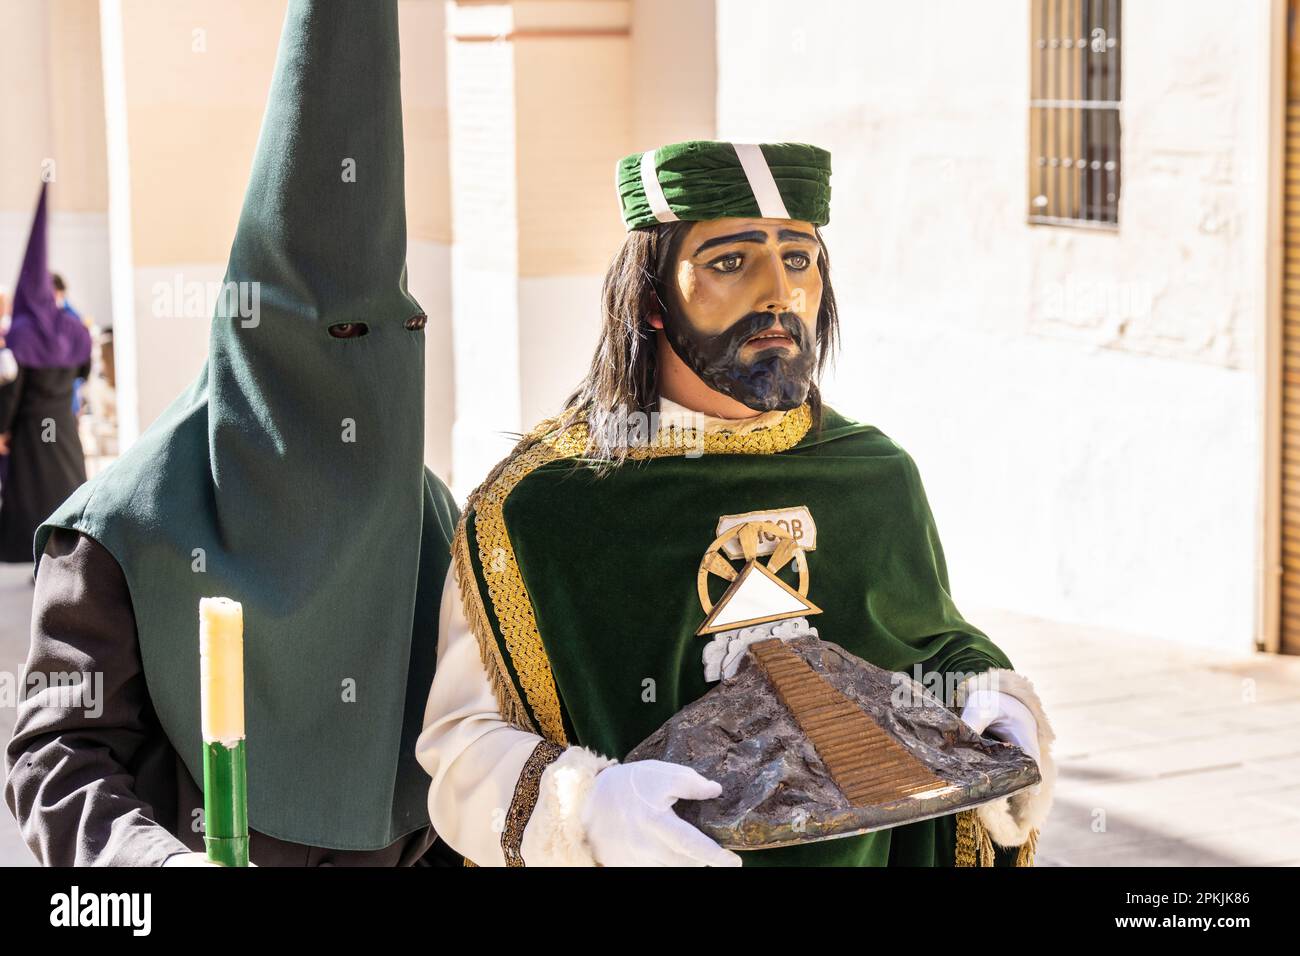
column 1027, row 850
column 987, row 855
column 510, row 600
column 975, row 846
column 503, row 688
column 964, row 855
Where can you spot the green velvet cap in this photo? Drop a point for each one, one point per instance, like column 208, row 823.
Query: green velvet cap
column 707, row 179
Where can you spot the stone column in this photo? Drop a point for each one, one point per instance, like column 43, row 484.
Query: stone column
column 540, row 111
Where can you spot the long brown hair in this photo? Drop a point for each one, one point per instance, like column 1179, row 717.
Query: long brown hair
column 624, row 373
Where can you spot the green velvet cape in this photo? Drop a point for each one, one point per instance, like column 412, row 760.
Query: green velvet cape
column 609, row 568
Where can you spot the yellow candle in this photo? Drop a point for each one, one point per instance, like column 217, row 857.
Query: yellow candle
column 221, row 670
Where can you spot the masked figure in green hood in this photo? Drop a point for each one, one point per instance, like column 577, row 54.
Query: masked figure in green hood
column 589, row 562
column 289, row 477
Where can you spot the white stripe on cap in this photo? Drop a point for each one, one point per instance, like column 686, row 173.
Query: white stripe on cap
column 761, row 183
column 653, row 193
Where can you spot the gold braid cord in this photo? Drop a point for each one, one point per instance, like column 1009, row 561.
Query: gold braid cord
column 510, row 601
column 524, row 800
column 975, row 846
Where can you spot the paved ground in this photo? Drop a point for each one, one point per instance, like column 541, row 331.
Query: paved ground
column 1168, row 755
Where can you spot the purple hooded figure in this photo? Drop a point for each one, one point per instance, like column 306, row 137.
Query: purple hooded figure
column 37, row 425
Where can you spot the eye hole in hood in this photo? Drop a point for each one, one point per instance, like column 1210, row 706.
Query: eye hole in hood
column 348, row 330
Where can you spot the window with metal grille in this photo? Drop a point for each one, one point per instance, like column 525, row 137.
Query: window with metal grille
column 1074, row 159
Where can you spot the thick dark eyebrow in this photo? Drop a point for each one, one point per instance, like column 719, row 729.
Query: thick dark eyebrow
column 754, row 235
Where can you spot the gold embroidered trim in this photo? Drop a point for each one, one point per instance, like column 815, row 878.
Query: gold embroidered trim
column 503, row 688
column 778, row 437
column 510, row 600
column 525, row 800
column 975, row 846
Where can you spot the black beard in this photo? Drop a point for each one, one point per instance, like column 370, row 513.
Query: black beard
column 776, row 378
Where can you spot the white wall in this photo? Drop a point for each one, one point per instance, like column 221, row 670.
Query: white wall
column 674, row 66
column 1083, row 406
column 428, row 278
column 557, row 336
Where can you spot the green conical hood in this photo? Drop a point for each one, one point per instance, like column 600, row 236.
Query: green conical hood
column 289, row 477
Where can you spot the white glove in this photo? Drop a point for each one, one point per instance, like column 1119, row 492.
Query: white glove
column 1003, row 717
column 629, row 820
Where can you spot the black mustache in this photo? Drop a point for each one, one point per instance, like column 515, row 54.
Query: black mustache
column 742, row 330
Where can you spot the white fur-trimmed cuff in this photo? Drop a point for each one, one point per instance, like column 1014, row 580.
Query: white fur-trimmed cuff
column 1010, row 820
column 554, row 835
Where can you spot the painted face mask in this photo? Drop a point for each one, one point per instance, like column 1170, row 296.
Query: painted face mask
column 773, row 377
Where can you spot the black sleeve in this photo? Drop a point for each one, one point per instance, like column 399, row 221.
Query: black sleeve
column 9, row 396
column 69, row 784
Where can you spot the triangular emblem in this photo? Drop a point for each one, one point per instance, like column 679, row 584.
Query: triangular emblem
column 757, row 596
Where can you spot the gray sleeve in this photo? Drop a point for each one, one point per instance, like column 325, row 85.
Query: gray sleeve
column 69, row 785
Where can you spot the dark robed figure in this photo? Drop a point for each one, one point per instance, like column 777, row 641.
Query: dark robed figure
column 52, row 349
column 289, row 477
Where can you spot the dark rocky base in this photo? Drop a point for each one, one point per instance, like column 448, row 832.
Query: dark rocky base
column 776, row 789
